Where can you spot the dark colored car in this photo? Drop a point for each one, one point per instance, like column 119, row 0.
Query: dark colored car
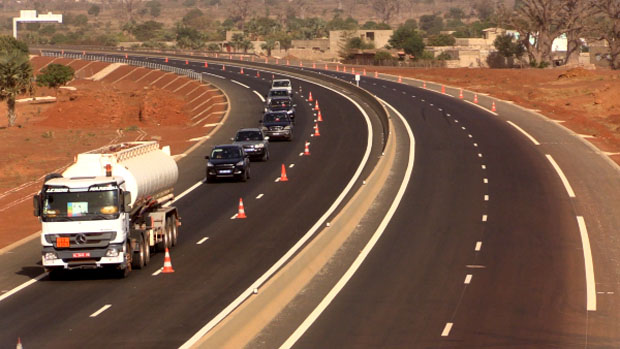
column 278, row 125
column 254, row 143
column 281, row 104
column 228, row 161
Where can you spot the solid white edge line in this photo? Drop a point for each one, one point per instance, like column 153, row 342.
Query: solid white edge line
column 187, row 191
column 215, row 75
column 557, row 168
column 446, row 329
column 468, row 279
column 369, row 246
column 239, row 83
column 524, row 133
column 293, row 250
column 259, row 196
column 589, row 265
column 104, row 308
column 201, row 241
column 158, row 271
column 259, row 96
column 481, row 107
column 22, row 286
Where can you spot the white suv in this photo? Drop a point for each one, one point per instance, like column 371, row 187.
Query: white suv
column 282, row 83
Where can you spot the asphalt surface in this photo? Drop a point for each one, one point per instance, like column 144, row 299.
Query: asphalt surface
column 163, row 311
column 458, row 268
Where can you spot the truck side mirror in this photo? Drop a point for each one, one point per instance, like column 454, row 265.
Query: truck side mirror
column 126, row 201
column 36, row 203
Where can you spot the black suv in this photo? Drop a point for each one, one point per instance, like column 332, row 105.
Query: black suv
column 278, row 126
column 228, row 161
column 281, row 104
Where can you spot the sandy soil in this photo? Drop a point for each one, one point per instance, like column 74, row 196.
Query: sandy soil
column 48, row 135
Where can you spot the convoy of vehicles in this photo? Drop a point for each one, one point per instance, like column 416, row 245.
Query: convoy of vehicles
column 281, row 104
column 108, row 209
column 278, row 92
column 278, row 126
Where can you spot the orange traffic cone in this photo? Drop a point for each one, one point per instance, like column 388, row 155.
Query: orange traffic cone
column 443, row 89
column 344, row 69
column 307, row 149
column 223, row 67
column 316, row 105
column 352, row 70
column 126, row 56
column 19, row 343
column 266, row 60
column 337, row 68
column 364, row 71
column 320, row 117
column 241, row 72
column 424, row 84
column 283, row 177
column 287, row 62
column 241, row 213
column 206, row 65
column 461, row 93
column 83, row 53
column 257, row 74
column 400, row 79
column 167, row 263
column 310, row 97
column 326, row 67
column 313, row 65
column 186, row 62
column 493, row 107
column 316, row 130
column 476, row 98
column 230, row 57
column 166, row 60
column 277, row 61
column 301, row 64
column 240, row 58
column 376, row 74
column 62, row 52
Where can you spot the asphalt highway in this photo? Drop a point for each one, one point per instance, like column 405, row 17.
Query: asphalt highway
column 92, row 309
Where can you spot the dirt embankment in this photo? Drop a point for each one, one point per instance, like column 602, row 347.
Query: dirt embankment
column 128, row 104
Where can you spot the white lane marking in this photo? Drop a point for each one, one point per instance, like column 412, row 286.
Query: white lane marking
column 22, row 286
column 234, row 216
column 448, row 115
column 422, row 100
column 277, row 180
column 478, row 246
column 446, row 329
column 212, row 125
column 259, row 196
column 484, row 218
column 589, row 265
column 486, row 198
column 469, row 135
column 431, row 104
column 557, row 168
column 239, row 83
column 481, row 107
column 199, row 138
column 475, row 144
column 215, row 75
column 462, row 127
column 158, row 271
column 467, row 279
column 293, row 250
column 259, row 96
column 301, row 154
column 201, row 241
column 479, row 155
column 475, row 266
column 291, row 165
column 525, row 133
column 439, row 109
column 485, row 180
column 290, row 341
column 484, row 167
column 104, row 308
column 187, row 191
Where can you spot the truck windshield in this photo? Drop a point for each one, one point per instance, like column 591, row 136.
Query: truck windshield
column 60, row 204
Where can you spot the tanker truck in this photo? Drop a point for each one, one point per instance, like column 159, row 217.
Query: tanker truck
column 109, row 209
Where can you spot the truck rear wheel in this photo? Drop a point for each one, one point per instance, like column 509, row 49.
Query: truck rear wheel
column 163, row 243
column 139, row 257
column 147, row 251
column 175, row 230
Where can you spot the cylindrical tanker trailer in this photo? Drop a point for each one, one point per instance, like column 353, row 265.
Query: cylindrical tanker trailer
column 109, row 209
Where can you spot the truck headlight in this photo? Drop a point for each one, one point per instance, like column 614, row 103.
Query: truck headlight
column 111, row 252
column 50, row 255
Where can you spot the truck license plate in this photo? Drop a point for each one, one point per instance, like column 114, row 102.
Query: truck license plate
column 81, row 255
column 62, row 242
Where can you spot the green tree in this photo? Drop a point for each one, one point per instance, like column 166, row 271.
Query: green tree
column 147, row 30
column 94, row 10
column 441, row 40
column 269, row 44
column 154, row 7
column 9, row 43
column 55, row 75
column 285, row 40
column 187, row 37
column 15, row 79
column 508, row 47
column 408, row 40
column 431, row 24
column 381, row 57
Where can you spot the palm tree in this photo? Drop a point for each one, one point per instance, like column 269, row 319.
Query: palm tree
column 15, row 79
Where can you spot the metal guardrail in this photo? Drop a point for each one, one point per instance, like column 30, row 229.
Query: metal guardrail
column 150, row 65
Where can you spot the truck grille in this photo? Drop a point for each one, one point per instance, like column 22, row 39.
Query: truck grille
column 84, row 240
column 276, row 128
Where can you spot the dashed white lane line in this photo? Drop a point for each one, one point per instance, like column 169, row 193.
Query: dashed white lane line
column 475, row 144
column 239, row 83
column 525, row 133
column 446, row 329
column 201, row 241
column 277, row 180
column 486, row 198
column 463, row 128
column 485, row 180
column 478, row 246
column 291, row 165
column 104, row 308
column 484, row 167
column 158, row 271
column 479, row 155
column 470, row 136
column 468, row 279
column 22, row 286
column 557, row 168
column 589, row 265
column 484, row 218
column 234, row 216
column 259, row 96
column 259, row 196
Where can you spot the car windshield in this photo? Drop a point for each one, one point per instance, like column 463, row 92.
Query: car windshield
column 85, row 204
column 225, row 153
column 278, row 93
column 280, row 103
column 276, row 117
column 249, row 136
column 280, row 84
